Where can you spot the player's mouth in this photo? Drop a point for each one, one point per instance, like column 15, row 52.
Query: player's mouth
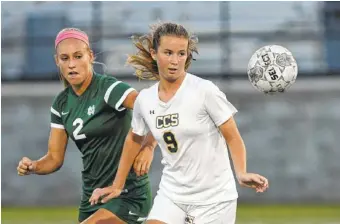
column 172, row 70
column 72, row 74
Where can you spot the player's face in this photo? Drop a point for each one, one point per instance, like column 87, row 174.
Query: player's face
column 171, row 56
column 74, row 60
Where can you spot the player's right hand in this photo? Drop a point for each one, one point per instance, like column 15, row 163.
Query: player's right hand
column 103, row 195
column 143, row 161
column 25, row 166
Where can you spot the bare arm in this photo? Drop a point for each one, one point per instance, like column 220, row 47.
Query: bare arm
column 131, row 148
column 149, row 141
column 238, row 154
column 54, row 158
column 130, row 100
column 128, row 103
column 236, row 145
column 144, row 158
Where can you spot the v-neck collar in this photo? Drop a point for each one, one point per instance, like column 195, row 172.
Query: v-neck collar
column 86, row 90
column 167, row 104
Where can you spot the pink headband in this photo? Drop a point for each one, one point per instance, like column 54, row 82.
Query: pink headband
column 71, row 34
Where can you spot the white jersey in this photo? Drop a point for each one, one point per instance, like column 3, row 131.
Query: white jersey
column 195, row 157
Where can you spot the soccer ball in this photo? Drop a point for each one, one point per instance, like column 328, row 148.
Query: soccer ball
column 272, row 69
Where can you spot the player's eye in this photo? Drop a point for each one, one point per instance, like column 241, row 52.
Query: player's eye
column 78, row 56
column 168, row 53
column 182, row 53
column 64, row 58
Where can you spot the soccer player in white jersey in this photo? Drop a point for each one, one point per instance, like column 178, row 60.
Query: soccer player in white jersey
column 193, row 123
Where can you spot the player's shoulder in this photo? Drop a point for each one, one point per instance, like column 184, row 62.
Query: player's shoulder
column 62, row 95
column 106, row 83
column 104, row 80
column 150, row 91
column 200, row 84
column 148, row 95
column 61, row 98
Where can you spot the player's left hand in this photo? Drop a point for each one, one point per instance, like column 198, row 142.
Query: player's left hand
column 103, row 195
column 253, row 180
column 143, row 161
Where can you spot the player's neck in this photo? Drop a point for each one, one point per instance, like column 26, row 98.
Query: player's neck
column 80, row 89
column 170, row 87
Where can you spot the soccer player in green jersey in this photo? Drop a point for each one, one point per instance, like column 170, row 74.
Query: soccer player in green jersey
column 94, row 111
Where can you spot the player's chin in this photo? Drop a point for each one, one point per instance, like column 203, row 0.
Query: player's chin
column 170, row 77
column 75, row 81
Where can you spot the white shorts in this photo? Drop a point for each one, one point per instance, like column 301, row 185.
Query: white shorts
column 167, row 211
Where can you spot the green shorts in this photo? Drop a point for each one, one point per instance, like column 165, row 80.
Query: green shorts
column 132, row 207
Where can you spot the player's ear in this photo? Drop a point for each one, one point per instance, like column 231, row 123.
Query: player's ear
column 91, row 57
column 153, row 54
column 56, row 60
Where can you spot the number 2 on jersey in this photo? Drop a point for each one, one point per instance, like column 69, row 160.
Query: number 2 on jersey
column 76, row 134
column 170, row 141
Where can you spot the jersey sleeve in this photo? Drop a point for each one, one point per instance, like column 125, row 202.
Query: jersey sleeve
column 56, row 121
column 217, row 104
column 138, row 124
column 116, row 92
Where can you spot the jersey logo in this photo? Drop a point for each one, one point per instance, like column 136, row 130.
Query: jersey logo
column 170, row 120
column 64, row 113
column 90, row 110
column 152, row 112
column 141, row 219
column 131, row 213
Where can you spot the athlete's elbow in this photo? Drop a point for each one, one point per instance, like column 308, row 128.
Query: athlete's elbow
column 58, row 166
column 136, row 138
column 57, row 163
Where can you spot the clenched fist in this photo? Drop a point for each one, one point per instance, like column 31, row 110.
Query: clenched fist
column 26, row 166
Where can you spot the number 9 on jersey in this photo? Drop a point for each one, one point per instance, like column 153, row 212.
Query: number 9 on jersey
column 170, row 141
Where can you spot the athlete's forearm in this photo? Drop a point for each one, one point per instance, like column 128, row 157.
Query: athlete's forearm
column 238, row 154
column 46, row 165
column 131, row 149
column 149, row 141
column 236, row 145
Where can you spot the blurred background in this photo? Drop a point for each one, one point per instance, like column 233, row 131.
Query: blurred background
column 291, row 138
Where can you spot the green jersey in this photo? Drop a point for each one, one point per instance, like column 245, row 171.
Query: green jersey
column 98, row 123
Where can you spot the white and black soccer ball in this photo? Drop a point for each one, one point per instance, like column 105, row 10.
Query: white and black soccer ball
column 272, row 69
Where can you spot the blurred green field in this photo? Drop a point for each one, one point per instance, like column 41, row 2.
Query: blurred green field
column 254, row 214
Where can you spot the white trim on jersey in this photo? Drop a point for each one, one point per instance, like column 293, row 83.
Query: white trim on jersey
column 55, row 112
column 121, row 100
column 109, row 90
column 59, row 126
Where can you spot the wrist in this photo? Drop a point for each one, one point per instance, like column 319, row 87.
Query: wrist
column 33, row 167
column 119, row 185
column 149, row 147
column 240, row 173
